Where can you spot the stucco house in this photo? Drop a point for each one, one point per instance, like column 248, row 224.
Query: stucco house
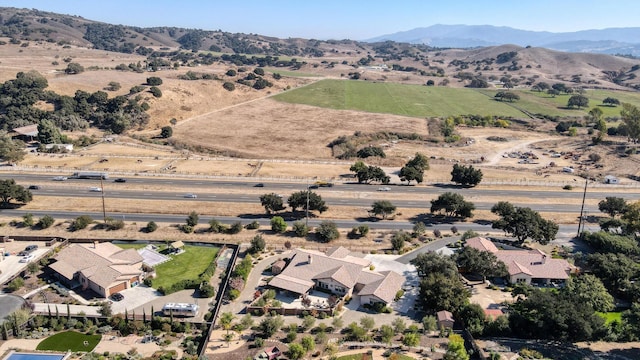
column 526, row 266
column 101, row 267
column 337, row 272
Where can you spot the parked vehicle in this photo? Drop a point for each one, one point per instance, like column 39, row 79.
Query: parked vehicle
column 31, row 248
column 34, row 187
column 116, row 297
column 27, row 258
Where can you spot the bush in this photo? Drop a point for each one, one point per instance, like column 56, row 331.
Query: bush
column 27, row 219
column 278, row 224
column 15, row 284
column 257, row 244
column 207, row 290
column 233, row 294
column 567, row 187
column 45, row 222
column 259, row 71
column 155, row 91
column 327, row 231
column 81, row 222
column 166, row 132
column 154, row 81
column 253, row 225
column 300, row 229
column 229, row 86
column 151, row 226
column 235, row 228
column 437, row 233
column 231, row 72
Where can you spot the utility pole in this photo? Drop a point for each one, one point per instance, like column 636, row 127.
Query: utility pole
column 306, row 210
column 104, row 210
column 584, row 195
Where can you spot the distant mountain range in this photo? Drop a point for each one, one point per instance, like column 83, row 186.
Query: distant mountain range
column 624, row 41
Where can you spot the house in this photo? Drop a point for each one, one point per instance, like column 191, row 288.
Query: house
column 445, row 319
column 527, row 266
column 278, row 266
column 337, row 272
column 101, row 267
column 25, row 133
column 269, row 353
column 610, row 179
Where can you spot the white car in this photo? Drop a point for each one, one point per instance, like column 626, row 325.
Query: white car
column 60, row 178
column 27, row 258
column 384, row 188
column 191, row 196
column 95, row 189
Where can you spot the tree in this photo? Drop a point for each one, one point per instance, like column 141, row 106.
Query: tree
column 613, row 206
column 74, row 68
column 553, row 92
column 414, row 169
column 630, row 115
column 192, row 219
column 370, row 151
column 278, row 224
column 366, row 174
column 301, row 199
column 611, row 101
column 48, row 133
column 588, row 289
column 300, row 228
column 166, row 132
column 441, row 292
column 432, row 262
column 483, row 263
column 631, row 218
column 456, row 349
column 270, row 325
column 578, row 100
column 11, row 151
column 327, row 231
column 155, row 91
column 27, row 219
column 45, row 222
column 523, row 223
column 308, row 343
column 410, row 340
column 429, row 323
column 9, row 191
column 452, row 204
column 614, row 270
column 272, row 203
column 466, row 175
column 399, row 326
column 225, row 320
column 296, row 351
column 383, row 207
column 386, row 334
column 398, row 240
column 257, row 244
column 229, row 86
column 154, row 81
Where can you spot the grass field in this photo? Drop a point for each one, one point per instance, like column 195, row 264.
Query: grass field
column 422, row 101
column 612, row 316
column 398, row 99
column 188, row 265
column 69, row 340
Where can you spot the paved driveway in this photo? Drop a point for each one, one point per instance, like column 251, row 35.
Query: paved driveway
column 411, row 285
column 135, row 297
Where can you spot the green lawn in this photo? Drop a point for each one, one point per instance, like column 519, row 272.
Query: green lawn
column 436, row 101
column 609, row 317
column 188, row 265
column 69, row 340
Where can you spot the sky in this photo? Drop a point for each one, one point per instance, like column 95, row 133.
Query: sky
column 347, row 19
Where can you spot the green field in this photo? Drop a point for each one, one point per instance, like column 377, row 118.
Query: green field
column 69, row 340
column 430, row 101
column 609, row 317
column 188, row 265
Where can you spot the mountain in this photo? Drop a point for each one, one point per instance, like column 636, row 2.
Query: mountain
column 605, row 41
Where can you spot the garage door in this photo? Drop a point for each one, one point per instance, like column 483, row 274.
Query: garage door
column 117, row 288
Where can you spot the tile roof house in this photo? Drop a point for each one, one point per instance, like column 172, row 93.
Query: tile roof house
column 526, row 265
column 338, row 272
column 101, row 267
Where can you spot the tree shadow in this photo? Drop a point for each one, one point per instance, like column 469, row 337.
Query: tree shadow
column 427, row 219
column 448, row 186
column 483, row 222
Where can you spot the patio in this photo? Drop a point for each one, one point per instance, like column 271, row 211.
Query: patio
column 319, row 300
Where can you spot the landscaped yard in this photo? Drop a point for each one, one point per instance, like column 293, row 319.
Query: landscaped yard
column 187, row 265
column 69, row 340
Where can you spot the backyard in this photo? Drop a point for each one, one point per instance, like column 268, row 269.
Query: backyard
column 69, row 340
column 187, row 265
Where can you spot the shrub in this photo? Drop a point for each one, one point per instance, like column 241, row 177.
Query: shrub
column 437, row 233
column 15, row 284
column 257, row 244
column 229, row 86
column 327, row 231
column 567, row 187
column 113, row 86
column 300, row 229
column 136, row 89
column 259, row 71
column 151, row 226
column 233, row 294
column 155, row 91
column 253, row 225
column 231, row 72
column 27, row 219
column 166, row 132
column 154, row 81
column 45, row 222
column 235, row 228
column 278, row 224
column 81, row 222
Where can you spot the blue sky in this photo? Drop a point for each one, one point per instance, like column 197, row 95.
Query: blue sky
column 347, row 19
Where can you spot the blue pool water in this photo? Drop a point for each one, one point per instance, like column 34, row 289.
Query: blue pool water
column 32, row 356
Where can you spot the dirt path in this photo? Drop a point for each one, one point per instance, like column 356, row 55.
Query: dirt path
column 521, row 144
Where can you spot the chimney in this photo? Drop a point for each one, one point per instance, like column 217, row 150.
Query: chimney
column 95, row 244
column 544, row 258
column 309, row 259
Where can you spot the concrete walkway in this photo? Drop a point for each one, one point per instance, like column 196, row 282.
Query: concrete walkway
column 33, row 292
column 43, row 308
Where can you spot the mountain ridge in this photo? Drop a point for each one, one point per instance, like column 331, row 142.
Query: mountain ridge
column 592, row 40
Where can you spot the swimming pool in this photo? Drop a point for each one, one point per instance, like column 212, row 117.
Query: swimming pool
column 34, row 356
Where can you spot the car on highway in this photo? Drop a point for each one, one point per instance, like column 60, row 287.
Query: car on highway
column 34, row 187
column 116, row 297
column 384, row 188
column 120, row 180
column 190, row 196
column 95, row 189
column 314, row 186
column 258, row 185
column 27, row 258
column 60, row 178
